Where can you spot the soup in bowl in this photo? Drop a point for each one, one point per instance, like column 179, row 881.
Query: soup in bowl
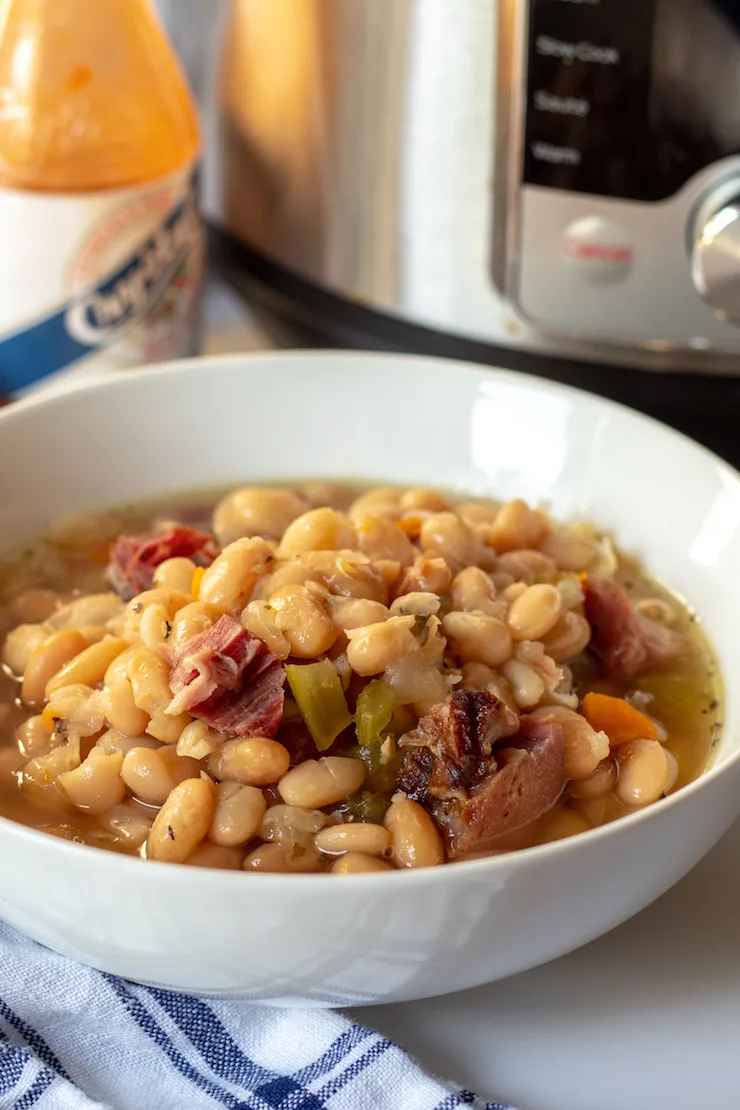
column 396, row 736
column 316, row 678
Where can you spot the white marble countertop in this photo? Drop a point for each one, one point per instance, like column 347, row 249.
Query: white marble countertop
column 645, row 1018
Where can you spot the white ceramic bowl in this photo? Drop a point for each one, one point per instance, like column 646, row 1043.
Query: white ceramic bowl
column 370, row 938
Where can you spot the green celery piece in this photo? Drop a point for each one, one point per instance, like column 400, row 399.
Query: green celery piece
column 375, row 707
column 320, row 698
column 674, row 698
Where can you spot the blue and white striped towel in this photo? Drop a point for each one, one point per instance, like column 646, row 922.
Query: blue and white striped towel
column 75, row 1039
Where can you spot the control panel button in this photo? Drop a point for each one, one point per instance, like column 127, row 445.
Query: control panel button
column 556, row 155
column 598, row 249
column 544, row 101
column 568, row 51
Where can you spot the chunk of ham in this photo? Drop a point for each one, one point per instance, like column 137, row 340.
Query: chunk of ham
column 481, row 771
column 628, row 642
column 230, row 679
column 133, row 559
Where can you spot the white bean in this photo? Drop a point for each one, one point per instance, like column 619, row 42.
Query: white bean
column 415, row 841
column 322, row 782
column 584, row 747
column 96, row 784
column 416, row 604
column 182, row 822
column 149, row 675
column 168, row 727
column 291, row 824
column 354, row 612
column 568, row 637
column 380, row 538
column 83, row 612
column 175, row 574
column 303, row 621
column 516, row 527
column 644, row 772
column 150, row 774
column 419, row 498
column 33, row 737
column 47, row 660
column 130, row 624
column 525, row 684
column 128, row 822
column 380, row 501
column 281, row 858
column 526, row 565
column 228, row 582
column 197, row 740
column 447, row 535
column 155, row 626
column 256, row 511
column 473, row 591
column 672, row 771
column 216, row 857
column 238, row 813
column 260, row 619
column 121, row 710
column 114, row 741
column 374, row 647
column 478, row 638
column 256, row 761
column 76, row 706
column 597, row 784
column 21, row 643
column 357, row 863
column 569, row 551
column 320, row 529
column 534, row 613
column 355, row 836
column 189, row 621
column 89, row 666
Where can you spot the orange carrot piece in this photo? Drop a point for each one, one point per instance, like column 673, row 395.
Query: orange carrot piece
column 197, row 579
column 618, row 719
column 411, row 526
column 48, row 717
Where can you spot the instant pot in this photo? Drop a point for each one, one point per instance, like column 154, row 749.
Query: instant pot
column 551, row 185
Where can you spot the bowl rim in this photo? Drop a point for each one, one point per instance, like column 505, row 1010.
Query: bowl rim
column 254, row 361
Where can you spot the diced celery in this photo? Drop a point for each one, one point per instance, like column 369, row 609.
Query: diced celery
column 375, row 707
column 674, row 698
column 369, row 806
column 319, row 696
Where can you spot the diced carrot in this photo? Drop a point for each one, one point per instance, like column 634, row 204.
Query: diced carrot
column 411, row 526
column 197, row 579
column 618, row 719
column 48, row 717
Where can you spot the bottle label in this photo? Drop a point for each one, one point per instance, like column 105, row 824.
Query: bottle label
column 98, row 281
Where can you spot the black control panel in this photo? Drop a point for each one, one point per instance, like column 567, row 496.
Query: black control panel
column 611, row 110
